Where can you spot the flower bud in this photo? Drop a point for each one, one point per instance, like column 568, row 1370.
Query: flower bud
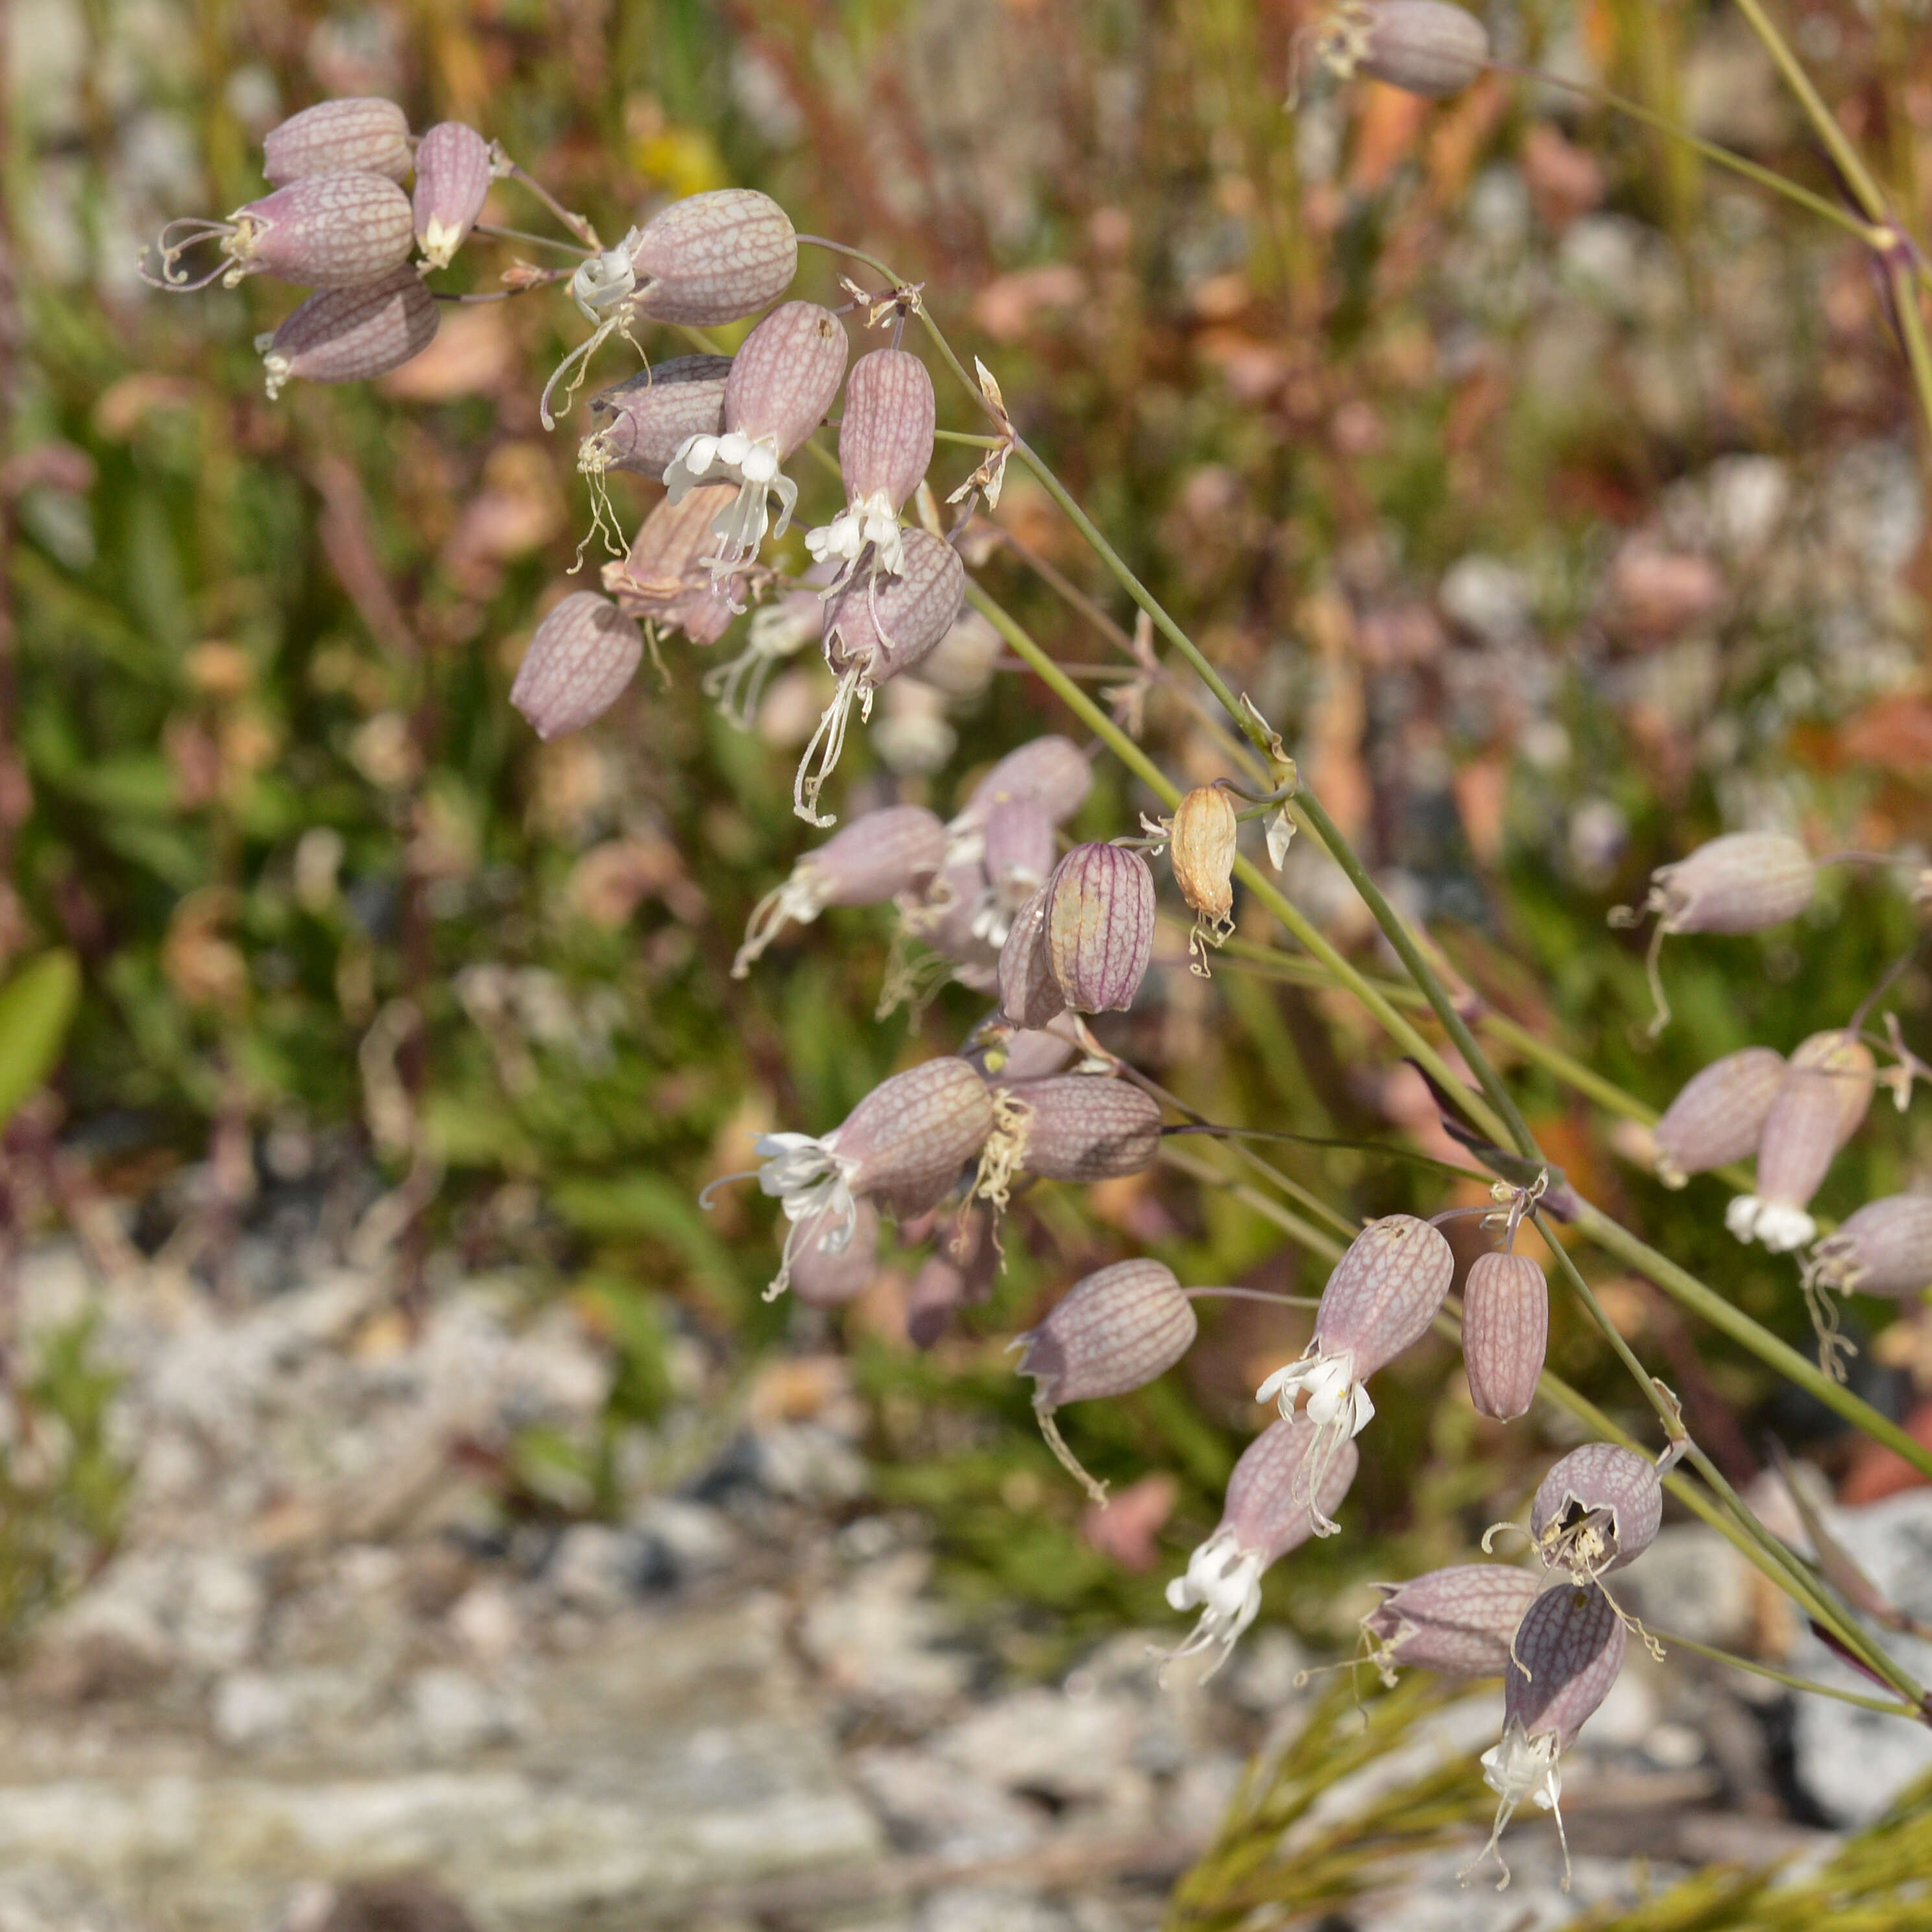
column 1885, row 1248
column 322, row 231
column 1201, row 847
column 878, row 856
column 782, row 383
column 351, row 335
column 1052, row 770
column 584, row 653
column 903, row 1145
column 1116, row 1330
column 454, row 169
column 1030, row 995
column 885, row 448
column 876, row 627
column 1717, row 1117
column 829, row 1276
column 1423, row 46
column 365, row 136
column 1818, row 1107
column 645, row 421
column 1567, row 1654
column 1457, row 1622
column 1081, row 1127
column 713, row 258
column 1099, row 926
column 1597, row 1508
column 1383, row 1294
column 1743, row 882
column 1505, row 1333
column 1277, row 1499
column 665, row 582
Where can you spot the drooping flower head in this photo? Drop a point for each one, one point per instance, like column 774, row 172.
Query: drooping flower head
column 1458, row 1622
column 322, row 231
column 1505, row 1333
column 1276, row 1499
column 1597, row 1509
column 1718, row 1115
column 885, row 448
column 1384, row 1292
column 1819, row 1105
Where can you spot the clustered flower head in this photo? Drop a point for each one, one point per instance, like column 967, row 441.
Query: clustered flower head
column 1003, row 899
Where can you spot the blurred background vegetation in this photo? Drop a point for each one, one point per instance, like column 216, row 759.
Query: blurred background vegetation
column 1559, row 499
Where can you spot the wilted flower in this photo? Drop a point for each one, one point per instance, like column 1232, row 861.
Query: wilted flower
column 327, row 231
column 1382, row 1296
column 875, row 628
column 1597, row 1509
column 885, row 447
column 1566, row 1656
column 353, row 335
column 876, row 857
column 363, row 134
column 903, row 1145
column 780, row 384
column 1201, row 848
column 1717, row 1117
column 1286, row 1486
column 584, row 653
column 1116, row 1330
column 1505, row 1333
column 664, row 581
column 454, row 167
column 1457, row 1622
column 1080, row 1127
column 1099, row 926
column 1819, row 1105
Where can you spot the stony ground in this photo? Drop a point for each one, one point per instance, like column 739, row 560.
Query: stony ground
column 317, row 1687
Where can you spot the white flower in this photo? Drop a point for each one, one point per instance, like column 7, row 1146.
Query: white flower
column 806, row 1177
column 740, row 527
column 1334, row 1396
column 1779, row 1226
column 866, row 519
column 1225, row 1580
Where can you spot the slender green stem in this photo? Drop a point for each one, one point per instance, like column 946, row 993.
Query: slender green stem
column 1687, row 1290
column 496, row 234
column 1671, row 1640
column 1250, row 725
column 1310, row 936
column 1723, row 157
column 1420, row 971
column 972, row 441
column 1857, row 176
column 1912, row 327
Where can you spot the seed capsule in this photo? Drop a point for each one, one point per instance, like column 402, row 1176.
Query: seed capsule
column 1081, row 1127
column 1457, row 1622
column 1567, row 1655
column 1099, row 926
column 1201, row 847
column 1505, row 1333
column 1382, row 1296
column 665, row 582
column 1116, row 1330
column 1597, row 1508
column 1283, row 1489
column 713, row 258
column 366, row 135
column 1885, row 1248
column 876, row 857
column 322, row 231
column 1051, row 770
column 885, row 448
column 1423, row 46
column 828, row 1277
column 903, row 1145
column 453, row 171
column 351, row 335
column 584, row 653
column 645, row 421
column 1718, row 1116
column 875, row 628
column 1743, row 882
column 780, row 384
column 1819, row 1105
